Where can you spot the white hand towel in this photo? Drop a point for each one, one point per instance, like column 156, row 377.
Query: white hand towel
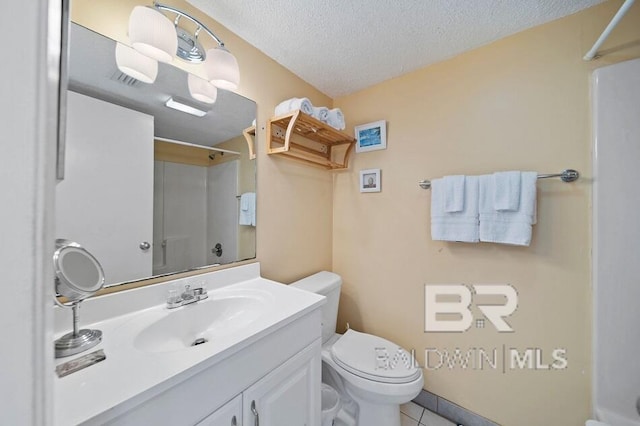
column 335, row 119
column 453, row 193
column 508, row 227
column 247, row 214
column 321, row 113
column 506, row 196
column 459, row 226
column 290, row 105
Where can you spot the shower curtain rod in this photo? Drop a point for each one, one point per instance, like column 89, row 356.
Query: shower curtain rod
column 568, row 175
column 591, row 54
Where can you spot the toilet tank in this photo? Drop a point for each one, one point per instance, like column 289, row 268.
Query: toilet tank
column 326, row 284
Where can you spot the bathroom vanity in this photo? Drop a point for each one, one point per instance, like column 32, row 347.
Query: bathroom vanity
column 259, row 363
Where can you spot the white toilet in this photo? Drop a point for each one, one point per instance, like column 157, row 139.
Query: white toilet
column 373, row 375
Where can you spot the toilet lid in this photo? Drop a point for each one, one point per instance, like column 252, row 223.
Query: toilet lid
column 374, row 358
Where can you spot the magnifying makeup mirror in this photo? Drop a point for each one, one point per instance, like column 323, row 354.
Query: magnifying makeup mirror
column 78, row 275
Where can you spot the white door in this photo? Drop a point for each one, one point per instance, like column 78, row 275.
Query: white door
column 222, row 212
column 289, row 395
column 105, row 202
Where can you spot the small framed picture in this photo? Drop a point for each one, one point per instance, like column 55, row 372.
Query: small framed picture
column 371, row 137
column 370, row 180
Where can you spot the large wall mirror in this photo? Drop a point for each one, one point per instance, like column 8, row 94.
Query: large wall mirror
column 150, row 190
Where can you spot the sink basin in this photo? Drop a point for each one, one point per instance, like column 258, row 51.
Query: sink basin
column 189, row 326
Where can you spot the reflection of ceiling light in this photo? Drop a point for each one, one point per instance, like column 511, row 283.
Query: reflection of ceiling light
column 201, row 89
column 152, row 34
column 172, row 103
column 155, row 35
column 135, row 64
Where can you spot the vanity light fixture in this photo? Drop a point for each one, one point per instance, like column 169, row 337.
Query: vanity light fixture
column 152, row 34
column 180, row 106
column 155, row 35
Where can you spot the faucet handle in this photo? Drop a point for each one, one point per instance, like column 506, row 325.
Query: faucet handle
column 200, row 293
column 174, row 300
column 188, row 295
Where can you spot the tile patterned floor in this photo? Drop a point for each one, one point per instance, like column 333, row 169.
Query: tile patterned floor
column 414, row 415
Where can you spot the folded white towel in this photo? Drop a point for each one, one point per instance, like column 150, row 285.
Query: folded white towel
column 508, row 227
column 506, row 196
column 335, row 119
column 459, row 226
column 247, row 214
column 453, row 193
column 321, row 113
column 290, row 105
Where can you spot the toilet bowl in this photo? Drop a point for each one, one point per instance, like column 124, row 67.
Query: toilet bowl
column 374, row 376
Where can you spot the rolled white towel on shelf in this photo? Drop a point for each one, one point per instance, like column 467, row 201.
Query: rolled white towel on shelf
column 289, row 105
column 321, row 113
column 335, row 119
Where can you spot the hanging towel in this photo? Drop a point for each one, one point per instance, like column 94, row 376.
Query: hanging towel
column 321, row 113
column 335, row 119
column 459, row 226
column 453, row 193
column 506, row 196
column 508, row 227
column 247, row 214
column 290, row 105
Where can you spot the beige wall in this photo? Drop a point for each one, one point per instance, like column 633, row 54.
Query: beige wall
column 519, row 103
column 294, row 201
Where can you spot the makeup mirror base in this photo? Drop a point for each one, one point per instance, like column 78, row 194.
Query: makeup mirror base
column 75, row 342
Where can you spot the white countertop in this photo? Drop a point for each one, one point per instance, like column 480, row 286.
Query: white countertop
column 131, row 372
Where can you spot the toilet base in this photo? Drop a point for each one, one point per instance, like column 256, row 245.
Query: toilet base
column 376, row 410
column 375, row 414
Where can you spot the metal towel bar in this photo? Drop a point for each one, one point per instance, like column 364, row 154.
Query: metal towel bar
column 568, row 175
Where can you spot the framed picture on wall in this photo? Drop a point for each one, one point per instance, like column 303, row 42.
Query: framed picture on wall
column 370, row 180
column 371, row 137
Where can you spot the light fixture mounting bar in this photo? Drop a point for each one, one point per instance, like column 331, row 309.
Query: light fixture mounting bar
column 178, row 12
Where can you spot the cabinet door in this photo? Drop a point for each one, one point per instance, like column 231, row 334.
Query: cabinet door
column 289, row 395
column 229, row 414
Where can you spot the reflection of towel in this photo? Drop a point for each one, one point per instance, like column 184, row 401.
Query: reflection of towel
column 248, row 209
column 459, row 226
column 290, row 105
column 335, row 119
column 321, row 113
column 508, row 227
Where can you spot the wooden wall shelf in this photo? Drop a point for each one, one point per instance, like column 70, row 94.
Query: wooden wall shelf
column 303, row 138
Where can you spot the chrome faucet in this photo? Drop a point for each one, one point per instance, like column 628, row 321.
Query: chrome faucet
column 188, row 296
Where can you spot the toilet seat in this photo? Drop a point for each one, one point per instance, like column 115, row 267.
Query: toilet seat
column 374, row 358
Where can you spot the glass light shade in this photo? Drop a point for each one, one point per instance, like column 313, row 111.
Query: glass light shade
column 152, row 34
column 135, row 64
column 222, row 68
column 201, row 89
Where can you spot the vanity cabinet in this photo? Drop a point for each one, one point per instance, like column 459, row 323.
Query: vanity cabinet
column 279, row 375
column 288, row 396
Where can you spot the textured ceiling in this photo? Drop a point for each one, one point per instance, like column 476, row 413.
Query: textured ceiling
column 341, row 46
